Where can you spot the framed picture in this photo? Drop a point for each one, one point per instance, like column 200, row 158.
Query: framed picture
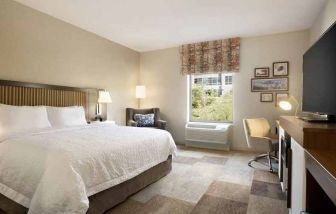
column 269, row 84
column 280, row 68
column 266, row 97
column 261, row 72
column 279, row 96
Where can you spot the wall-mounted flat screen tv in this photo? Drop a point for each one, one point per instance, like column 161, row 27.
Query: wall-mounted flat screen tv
column 319, row 75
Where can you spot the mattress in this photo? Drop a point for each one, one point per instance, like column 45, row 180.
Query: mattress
column 56, row 170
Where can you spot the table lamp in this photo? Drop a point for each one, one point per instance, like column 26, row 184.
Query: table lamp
column 140, row 93
column 286, row 104
column 103, row 97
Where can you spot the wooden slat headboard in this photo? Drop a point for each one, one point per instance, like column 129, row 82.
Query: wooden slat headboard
column 33, row 94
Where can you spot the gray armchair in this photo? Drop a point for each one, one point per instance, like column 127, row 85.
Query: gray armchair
column 158, row 123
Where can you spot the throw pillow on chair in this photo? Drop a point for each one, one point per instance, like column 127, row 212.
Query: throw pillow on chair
column 144, row 120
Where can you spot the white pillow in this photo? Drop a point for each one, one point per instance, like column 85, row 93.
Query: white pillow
column 66, row 116
column 22, row 118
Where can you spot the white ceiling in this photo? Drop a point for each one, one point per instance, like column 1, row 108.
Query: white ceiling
column 145, row 25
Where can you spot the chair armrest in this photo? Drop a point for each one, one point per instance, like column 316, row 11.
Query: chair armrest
column 132, row 123
column 161, row 124
column 273, row 136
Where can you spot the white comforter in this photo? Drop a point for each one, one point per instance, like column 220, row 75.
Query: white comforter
column 55, row 171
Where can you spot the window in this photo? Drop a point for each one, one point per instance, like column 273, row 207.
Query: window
column 211, row 98
column 228, row 80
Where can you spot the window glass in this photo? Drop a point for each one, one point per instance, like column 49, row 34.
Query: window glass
column 211, row 98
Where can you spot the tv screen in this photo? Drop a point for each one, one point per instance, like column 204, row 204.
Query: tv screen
column 319, row 75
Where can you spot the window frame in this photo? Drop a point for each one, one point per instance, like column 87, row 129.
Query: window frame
column 190, row 104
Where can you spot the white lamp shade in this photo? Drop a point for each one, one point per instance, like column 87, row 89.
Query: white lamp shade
column 104, row 97
column 140, row 91
column 285, row 105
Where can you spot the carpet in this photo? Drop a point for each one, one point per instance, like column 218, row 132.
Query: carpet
column 208, row 181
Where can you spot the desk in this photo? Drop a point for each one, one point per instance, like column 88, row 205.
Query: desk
column 313, row 147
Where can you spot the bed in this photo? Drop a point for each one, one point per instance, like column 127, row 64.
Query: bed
column 86, row 168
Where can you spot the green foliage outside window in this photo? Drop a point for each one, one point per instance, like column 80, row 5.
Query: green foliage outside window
column 209, row 105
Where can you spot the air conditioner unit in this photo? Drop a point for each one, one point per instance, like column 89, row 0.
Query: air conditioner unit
column 212, row 136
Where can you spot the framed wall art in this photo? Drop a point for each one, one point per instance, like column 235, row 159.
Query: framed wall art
column 269, row 84
column 261, row 72
column 279, row 96
column 280, row 68
column 266, row 97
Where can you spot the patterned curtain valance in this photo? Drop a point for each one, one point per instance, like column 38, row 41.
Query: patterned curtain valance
column 210, row 57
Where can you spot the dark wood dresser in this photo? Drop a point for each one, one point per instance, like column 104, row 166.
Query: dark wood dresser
column 312, row 174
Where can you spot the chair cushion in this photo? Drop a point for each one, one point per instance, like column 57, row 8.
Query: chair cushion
column 144, row 120
column 258, row 127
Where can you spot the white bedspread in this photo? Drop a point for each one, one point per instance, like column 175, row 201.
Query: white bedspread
column 55, row 171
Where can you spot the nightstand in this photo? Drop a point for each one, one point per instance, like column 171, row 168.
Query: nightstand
column 103, row 122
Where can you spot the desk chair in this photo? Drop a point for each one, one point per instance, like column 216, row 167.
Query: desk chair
column 258, row 131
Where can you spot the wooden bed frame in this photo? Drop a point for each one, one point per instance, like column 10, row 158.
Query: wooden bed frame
column 107, row 199
column 32, row 94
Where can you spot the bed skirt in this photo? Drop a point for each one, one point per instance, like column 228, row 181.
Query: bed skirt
column 105, row 200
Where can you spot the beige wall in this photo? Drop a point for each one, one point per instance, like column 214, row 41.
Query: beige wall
column 324, row 20
column 35, row 47
column 167, row 89
column 263, row 51
column 38, row 48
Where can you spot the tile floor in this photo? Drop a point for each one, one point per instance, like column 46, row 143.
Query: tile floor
column 207, row 181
